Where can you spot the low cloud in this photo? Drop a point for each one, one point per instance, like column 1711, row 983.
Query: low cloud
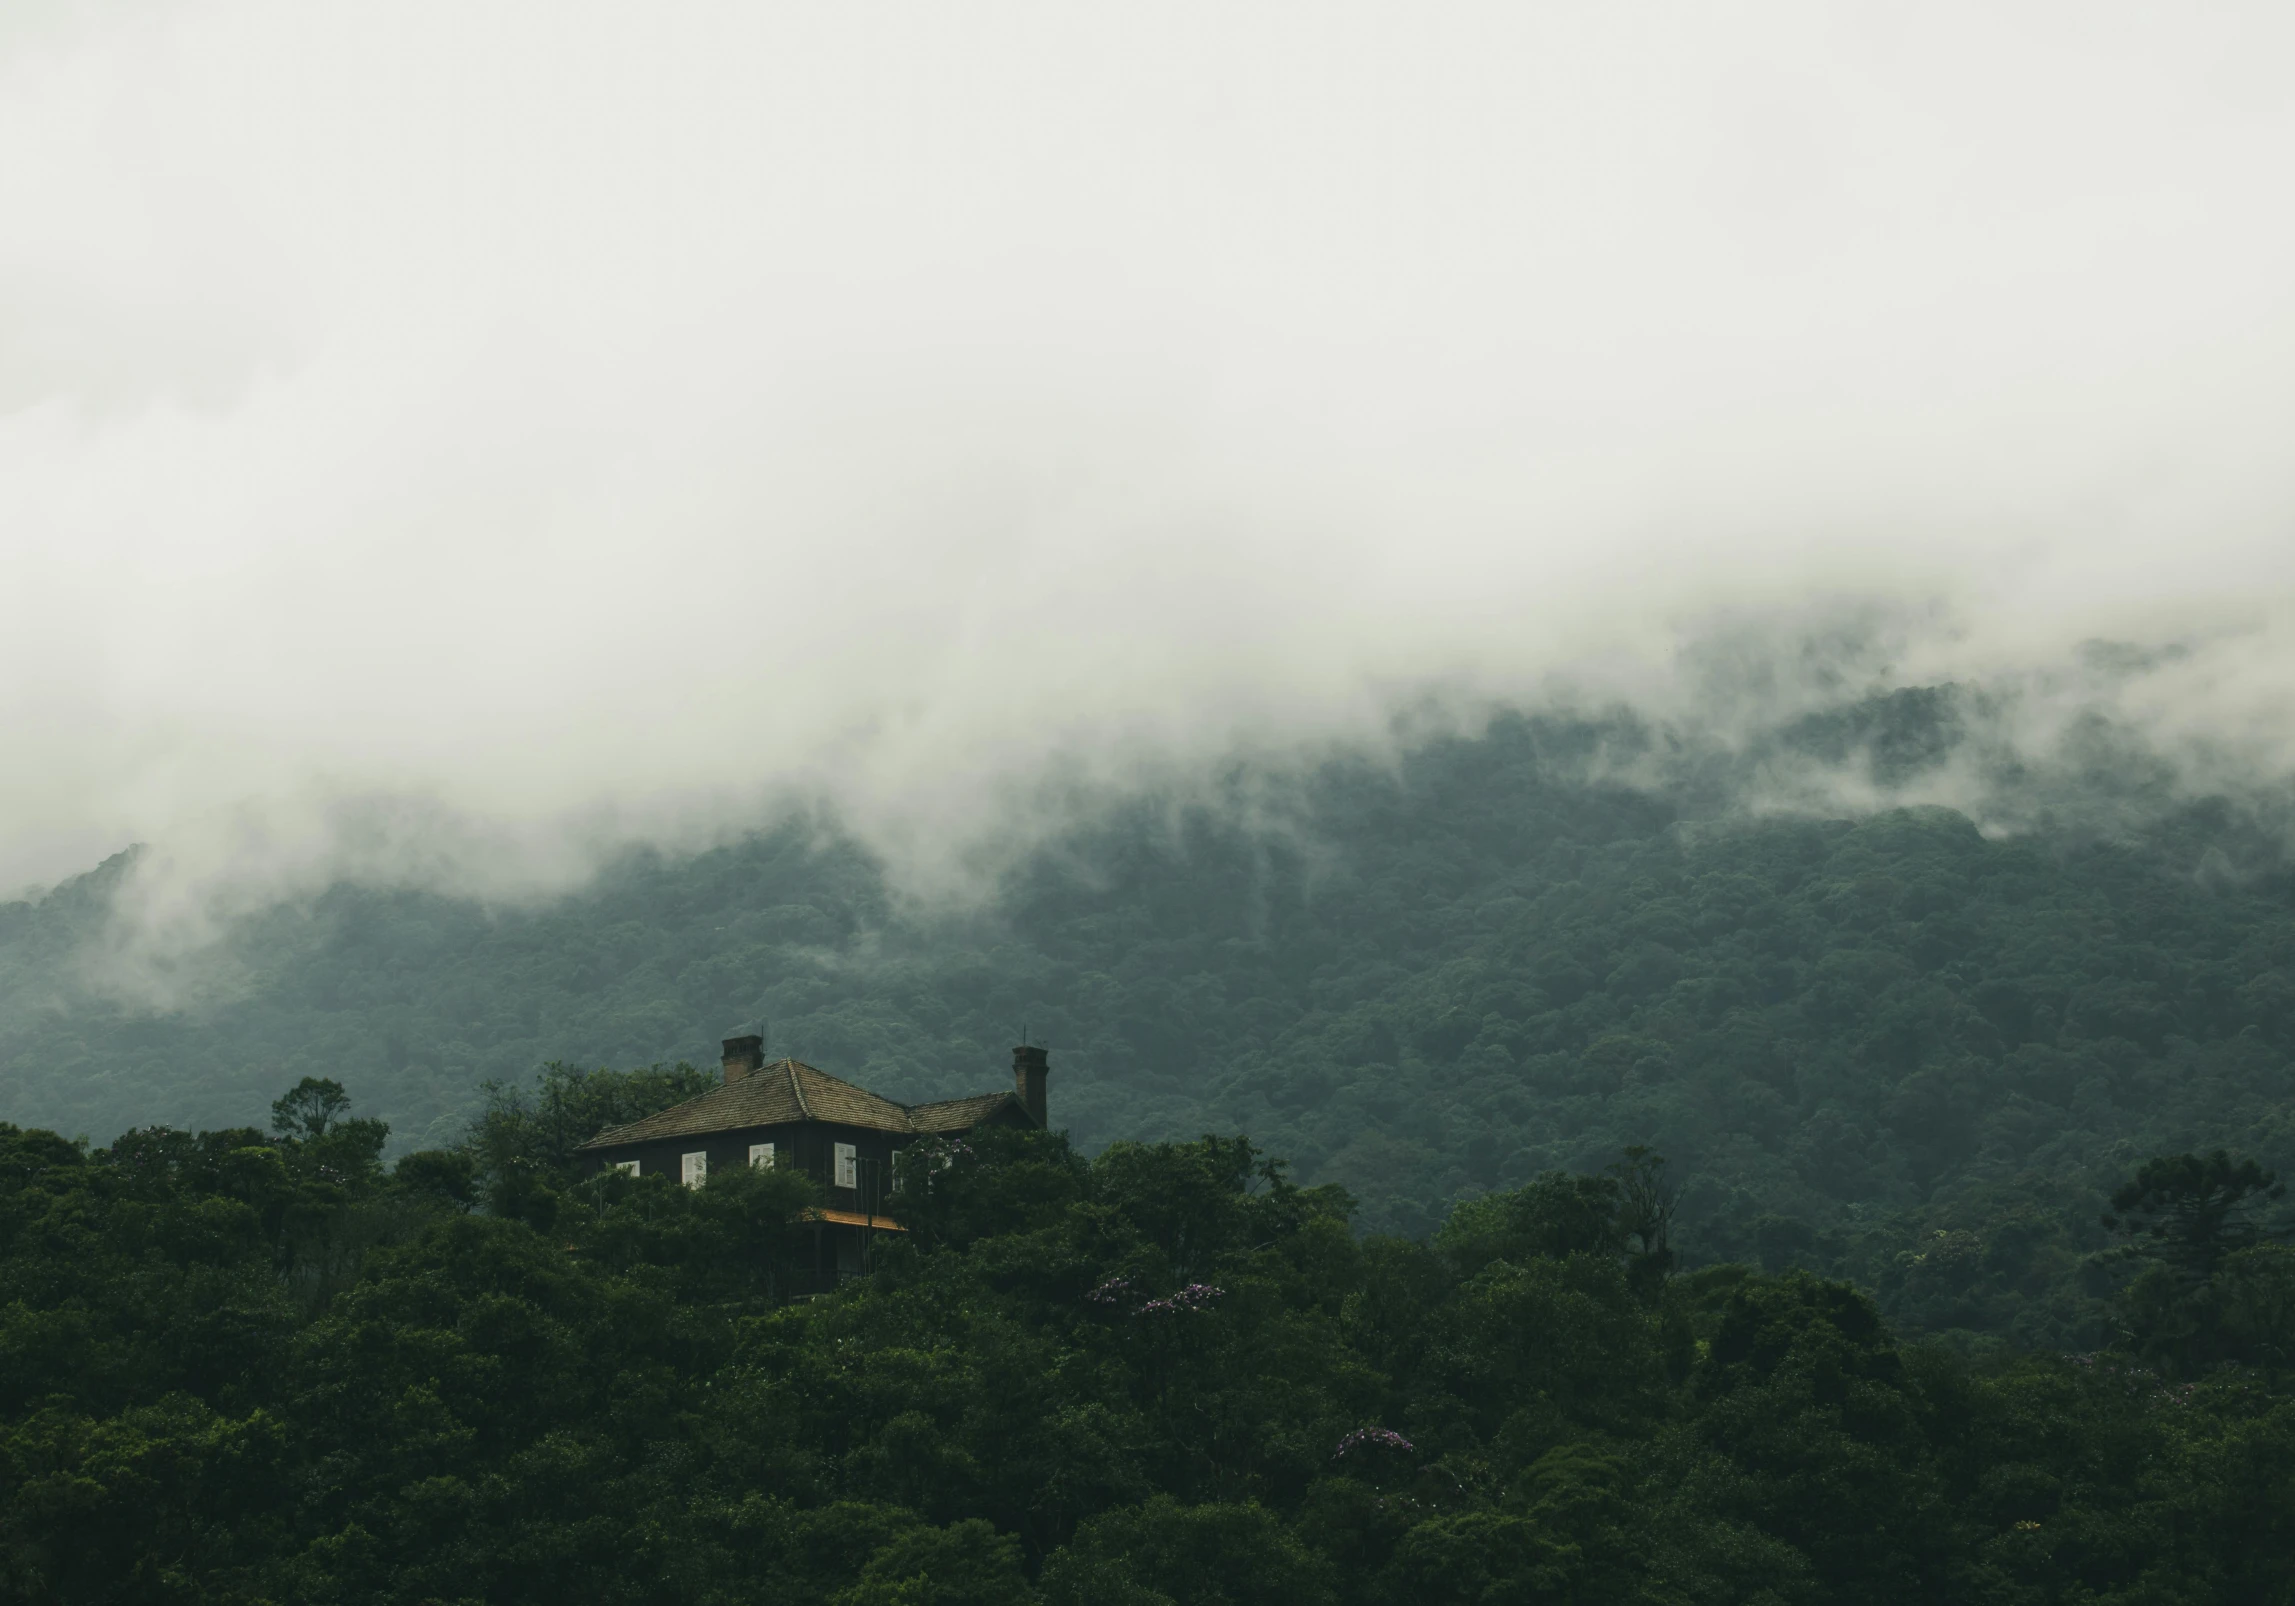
column 438, row 442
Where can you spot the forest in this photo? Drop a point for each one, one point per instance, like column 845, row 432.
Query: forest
column 1616, row 1191
column 1883, row 1044
column 246, row 1365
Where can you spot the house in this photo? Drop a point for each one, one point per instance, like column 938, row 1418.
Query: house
column 790, row 1114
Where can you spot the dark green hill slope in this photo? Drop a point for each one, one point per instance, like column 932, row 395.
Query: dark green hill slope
column 1857, row 1040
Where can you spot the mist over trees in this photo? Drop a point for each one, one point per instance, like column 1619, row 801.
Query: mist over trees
column 1643, row 1200
column 1384, row 586
column 1889, row 1047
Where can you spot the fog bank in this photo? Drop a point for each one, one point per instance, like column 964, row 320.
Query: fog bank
column 439, row 440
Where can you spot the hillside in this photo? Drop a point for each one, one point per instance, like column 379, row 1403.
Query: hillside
column 1887, row 1047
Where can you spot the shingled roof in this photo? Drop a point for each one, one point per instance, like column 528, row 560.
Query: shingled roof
column 790, row 1090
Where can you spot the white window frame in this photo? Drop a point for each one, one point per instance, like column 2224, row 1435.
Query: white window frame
column 848, row 1165
column 761, row 1157
column 628, row 1168
column 693, row 1169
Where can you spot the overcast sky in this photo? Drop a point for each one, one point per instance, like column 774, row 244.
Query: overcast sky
column 535, row 411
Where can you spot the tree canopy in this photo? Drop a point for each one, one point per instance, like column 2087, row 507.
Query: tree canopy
column 243, row 1367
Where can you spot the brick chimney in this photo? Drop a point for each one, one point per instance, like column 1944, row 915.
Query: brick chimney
column 1028, row 1072
column 742, row 1056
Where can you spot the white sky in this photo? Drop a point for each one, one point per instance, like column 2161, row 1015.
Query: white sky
column 534, row 411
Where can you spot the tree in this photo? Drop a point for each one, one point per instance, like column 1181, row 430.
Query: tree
column 2190, row 1211
column 2254, row 1302
column 1207, row 1555
column 965, row 1564
column 309, row 1108
column 1554, row 1217
column 1645, row 1213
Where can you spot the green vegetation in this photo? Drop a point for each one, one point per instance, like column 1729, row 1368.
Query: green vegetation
column 1890, row 1050
column 249, row 1367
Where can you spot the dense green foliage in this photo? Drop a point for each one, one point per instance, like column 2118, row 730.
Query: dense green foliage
column 1889, row 1049
column 239, row 1367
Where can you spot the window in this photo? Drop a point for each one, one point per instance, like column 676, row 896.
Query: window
column 627, row 1168
column 848, row 1166
column 760, row 1156
column 693, row 1168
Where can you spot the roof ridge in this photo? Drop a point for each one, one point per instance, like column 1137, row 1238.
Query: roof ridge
column 838, row 1102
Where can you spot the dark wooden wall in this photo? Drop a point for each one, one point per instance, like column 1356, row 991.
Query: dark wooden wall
column 804, row 1146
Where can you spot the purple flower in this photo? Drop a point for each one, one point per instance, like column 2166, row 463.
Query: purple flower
column 1382, row 1438
column 1195, row 1297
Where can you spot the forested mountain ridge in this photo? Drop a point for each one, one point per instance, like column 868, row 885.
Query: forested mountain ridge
column 1888, row 1047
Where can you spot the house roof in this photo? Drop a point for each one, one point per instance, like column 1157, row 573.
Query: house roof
column 960, row 1115
column 790, row 1090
